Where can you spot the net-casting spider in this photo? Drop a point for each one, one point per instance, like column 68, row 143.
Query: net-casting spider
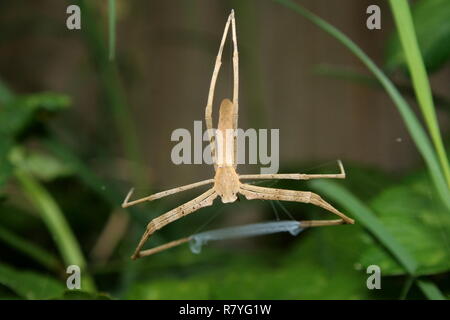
column 227, row 182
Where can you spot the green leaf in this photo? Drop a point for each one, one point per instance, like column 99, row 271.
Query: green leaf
column 432, row 23
column 30, row 249
column 30, row 285
column 45, row 166
column 53, row 217
column 422, row 88
column 369, row 220
column 19, row 113
column 419, row 223
column 430, row 290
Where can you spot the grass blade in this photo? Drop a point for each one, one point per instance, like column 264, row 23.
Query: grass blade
column 369, row 220
column 430, row 290
column 56, row 223
column 407, row 287
column 30, row 285
column 112, row 28
column 113, row 92
column 413, row 125
column 28, row 248
column 416, row 66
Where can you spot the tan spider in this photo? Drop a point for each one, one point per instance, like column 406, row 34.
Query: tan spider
column 227, row 182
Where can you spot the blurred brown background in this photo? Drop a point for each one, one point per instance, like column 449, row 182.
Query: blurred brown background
column 165, row 55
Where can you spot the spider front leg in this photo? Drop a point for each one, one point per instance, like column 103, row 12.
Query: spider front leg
column 127, row 203
column 212, row 86
column 296, row 176
column 204, row 200
column 255, row 192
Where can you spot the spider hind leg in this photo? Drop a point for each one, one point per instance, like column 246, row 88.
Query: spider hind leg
column 254, row 192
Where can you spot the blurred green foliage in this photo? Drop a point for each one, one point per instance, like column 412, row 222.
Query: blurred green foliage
column 419, row 222
column 30, row 285
column 432, row 24
column 49, row 194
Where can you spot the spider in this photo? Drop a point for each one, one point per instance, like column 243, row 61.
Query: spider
column 227, row 182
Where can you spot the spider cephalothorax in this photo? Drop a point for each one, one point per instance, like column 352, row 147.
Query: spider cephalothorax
column 227, row 182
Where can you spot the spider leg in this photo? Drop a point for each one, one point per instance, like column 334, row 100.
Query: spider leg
column 163, row 247
column 218, row 64
column 204, row 200
column 320, row 223
column 235, row 84
column 126, row 203
column 297, row 176
column 212, row 86
column 255, row 192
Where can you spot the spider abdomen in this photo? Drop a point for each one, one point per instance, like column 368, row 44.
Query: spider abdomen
column 226, row 184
